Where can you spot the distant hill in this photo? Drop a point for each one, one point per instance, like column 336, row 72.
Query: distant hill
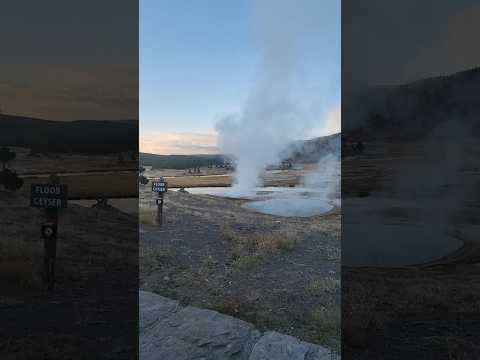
column 311, row 150
column 303, row 151
column 412, row 110
column 83, row 136
column 179, row 161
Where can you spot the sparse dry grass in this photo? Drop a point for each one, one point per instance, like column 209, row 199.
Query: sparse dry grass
column 319, row 286
column 208, row 264
column 223, row 181
column 148, row 217
column 320, row 225
column 359, row 316
column 332, row 253
column 20, row 263
column 261, row 243
column 229, row 306
column 456, row 347
column 248, row 261
column 283, row 240
column 46, row 163
column 151, row 258
column 377, row 304
column 121, row 184
column 199, row 181
column 249, row 250
column 326, row 318
column 229, row 234
column 327, row 322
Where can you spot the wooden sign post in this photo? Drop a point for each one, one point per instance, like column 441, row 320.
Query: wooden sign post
column 51, row 197
column 160, row 187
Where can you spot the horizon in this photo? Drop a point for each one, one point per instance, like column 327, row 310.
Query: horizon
column 66, row 120
column 224, row 154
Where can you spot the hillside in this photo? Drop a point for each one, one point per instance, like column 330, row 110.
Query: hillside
column 412, row 110
column 311, row 150
column 83, row 136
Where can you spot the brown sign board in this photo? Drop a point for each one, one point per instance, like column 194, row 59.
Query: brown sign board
column 52, row 196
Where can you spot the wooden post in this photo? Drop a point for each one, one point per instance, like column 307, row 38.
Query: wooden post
column 51, row 196
column 159, row 186
column 50, row 246
column 160, row 208
column 50, row 242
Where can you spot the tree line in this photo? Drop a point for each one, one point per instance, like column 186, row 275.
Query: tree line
column 8, row 177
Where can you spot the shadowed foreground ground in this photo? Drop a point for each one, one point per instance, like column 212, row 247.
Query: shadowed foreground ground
column 93, row 312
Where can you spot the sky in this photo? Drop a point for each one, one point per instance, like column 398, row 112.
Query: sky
column 390, row 42
column 397, row 42
column 198, row 62
column 70, row 60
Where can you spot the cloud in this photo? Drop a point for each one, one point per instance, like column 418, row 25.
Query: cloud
column 330, row 124
column 178, row 143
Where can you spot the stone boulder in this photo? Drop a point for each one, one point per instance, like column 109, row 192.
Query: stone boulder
column 171, row 331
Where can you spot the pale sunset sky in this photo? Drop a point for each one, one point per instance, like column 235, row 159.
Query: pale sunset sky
column 197, row 65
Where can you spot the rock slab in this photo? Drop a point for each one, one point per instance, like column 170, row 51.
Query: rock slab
column 273, row 345
column 170, row 331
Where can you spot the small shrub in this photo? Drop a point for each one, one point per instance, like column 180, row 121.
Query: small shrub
column 6, row 155
column 151, row 259
column 208, row 265
column 10, row 180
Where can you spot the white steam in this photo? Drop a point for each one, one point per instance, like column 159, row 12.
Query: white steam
column 326, row 178
column 271, row 117
column 416, row 212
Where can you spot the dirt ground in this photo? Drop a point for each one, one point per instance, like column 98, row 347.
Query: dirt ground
column 279, row 273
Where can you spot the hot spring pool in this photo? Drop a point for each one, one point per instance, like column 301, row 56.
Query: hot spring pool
column 217, row 191
column 279, row 201
column 290, row 207
column 404, row 233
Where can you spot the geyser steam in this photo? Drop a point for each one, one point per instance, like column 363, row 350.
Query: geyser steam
column 271, row 117
column 326, row 177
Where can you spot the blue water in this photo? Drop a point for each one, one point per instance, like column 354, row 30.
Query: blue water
column 279, row 201
column 291, row 206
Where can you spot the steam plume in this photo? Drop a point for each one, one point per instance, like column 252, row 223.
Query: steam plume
column 271, row 116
